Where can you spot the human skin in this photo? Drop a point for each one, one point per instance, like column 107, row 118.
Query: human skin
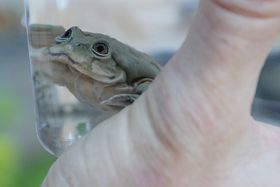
column 193, row 126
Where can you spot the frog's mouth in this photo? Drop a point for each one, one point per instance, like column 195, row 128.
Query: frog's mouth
column 100, row 75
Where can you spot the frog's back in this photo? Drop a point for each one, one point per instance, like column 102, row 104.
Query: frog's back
column 136, row 63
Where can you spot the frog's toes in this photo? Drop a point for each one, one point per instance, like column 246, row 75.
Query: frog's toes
column 120, row 100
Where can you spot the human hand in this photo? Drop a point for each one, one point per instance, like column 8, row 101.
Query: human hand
column 193, row 126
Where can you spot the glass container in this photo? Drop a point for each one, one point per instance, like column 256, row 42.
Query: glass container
column 64, row 104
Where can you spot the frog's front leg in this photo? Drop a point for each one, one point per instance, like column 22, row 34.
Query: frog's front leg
column 142, row 85
column 120, row 100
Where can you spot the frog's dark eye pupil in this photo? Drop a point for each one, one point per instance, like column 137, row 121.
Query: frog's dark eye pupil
column 100, row 49
column 67, row 34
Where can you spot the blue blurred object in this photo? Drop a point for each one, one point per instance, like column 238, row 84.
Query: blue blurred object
column 162, row 57
column 269, row 87
column 15, row 82
column 266, row 105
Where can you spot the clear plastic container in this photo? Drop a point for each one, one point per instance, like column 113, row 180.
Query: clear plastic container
column 66, row 108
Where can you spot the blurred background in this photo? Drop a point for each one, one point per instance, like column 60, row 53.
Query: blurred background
column 157, row 27
column 22, row 160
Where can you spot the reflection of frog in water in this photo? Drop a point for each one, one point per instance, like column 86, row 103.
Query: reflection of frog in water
column 96, row 68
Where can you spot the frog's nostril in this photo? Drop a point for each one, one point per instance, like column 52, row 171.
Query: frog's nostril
column 67, row 34
column 79, row 45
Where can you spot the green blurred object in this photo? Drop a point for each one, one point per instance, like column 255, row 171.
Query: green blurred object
column 9, row 165
column 14, row 172
column 82, row 128
column 9, row 111
column 32, row 173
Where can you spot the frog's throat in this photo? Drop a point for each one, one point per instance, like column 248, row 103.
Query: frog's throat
column 63, row 58
column 121, row 77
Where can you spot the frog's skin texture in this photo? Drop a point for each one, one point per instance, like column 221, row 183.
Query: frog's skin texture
column 97, row 69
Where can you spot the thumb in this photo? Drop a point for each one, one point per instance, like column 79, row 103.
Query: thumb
column 204, row 94
column 218, row 65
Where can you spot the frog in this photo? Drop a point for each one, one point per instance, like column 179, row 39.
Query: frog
column 97, row 69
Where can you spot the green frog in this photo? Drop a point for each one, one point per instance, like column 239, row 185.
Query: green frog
column 97, row 69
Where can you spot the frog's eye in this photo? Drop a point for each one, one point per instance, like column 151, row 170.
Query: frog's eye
column 100, row 49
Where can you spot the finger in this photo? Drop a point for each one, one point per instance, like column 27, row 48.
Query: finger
column 204, row 94
column 200, row 103
column 216, row 70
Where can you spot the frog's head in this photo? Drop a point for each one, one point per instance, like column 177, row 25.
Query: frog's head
column 89, row 54
column 101, row 57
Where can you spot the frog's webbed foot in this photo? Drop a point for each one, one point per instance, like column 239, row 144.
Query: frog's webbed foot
column 120, row 100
